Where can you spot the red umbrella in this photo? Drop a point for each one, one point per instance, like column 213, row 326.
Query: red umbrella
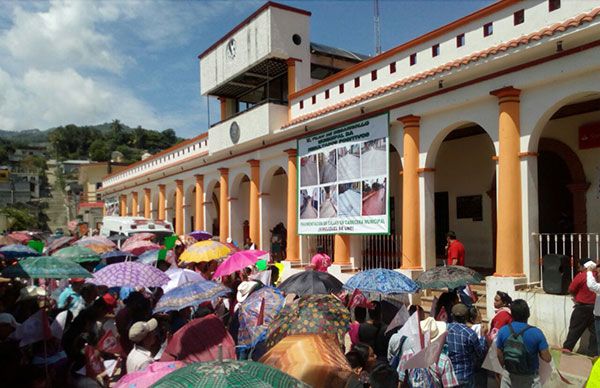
column 139, row 247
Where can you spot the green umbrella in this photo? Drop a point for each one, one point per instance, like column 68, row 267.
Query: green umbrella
column 46, row 267
column 78, row 254
column 228, row 373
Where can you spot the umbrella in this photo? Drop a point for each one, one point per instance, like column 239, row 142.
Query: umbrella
column 200, row 235
column 380, row 281
column 179, row 277
column 148, row 376
column 21, row 237
column 96, row 240
column 140, row 237
column 190, row 294
column 15, row 251
column 450, row 277
column 117, row 257
column 185, row 240
column 78, row 254
column 58, row 243
column 151, row 257
column 315, row 359
column 256, row 314
column 139, row 247
column 226, row 374
column 99, row 248
column 200, row 340
column 237, row 262
column 5, row 240
column 204, row 251
column 231, row 247
column 311, row 282
column 130, row 274
column 47, row 267
column 311, row 314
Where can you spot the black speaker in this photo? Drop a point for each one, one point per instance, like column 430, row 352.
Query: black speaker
column 556, row 273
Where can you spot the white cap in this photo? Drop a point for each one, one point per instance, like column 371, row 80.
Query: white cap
column 140, row 330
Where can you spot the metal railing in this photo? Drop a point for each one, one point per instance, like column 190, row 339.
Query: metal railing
column 381, row 251
column 574, row 245
column 326, row 241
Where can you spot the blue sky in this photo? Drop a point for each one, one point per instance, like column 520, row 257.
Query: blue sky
column 88, row 62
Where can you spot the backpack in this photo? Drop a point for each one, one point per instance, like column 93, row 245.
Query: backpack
column 517, row 359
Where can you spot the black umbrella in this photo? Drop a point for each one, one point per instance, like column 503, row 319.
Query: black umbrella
column 311, row 283
column 450, row 277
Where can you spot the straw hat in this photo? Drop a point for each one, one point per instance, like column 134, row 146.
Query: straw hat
column 435, row 328
column 31, row 292
column 140, row 330
column 245, row 289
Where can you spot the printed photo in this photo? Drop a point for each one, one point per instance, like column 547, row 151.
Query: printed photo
column 309, row 203
column 349, row 199
column 374, row 193
column 373, row 158
column 328, row 202
column 327, row 167
column 348, row 162
column 308, row 171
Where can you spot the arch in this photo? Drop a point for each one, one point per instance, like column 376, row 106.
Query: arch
column 239, row 191
column 211, row 206
column 189, row 207
column 273, row 204
column 170, row 205
column 268, row 174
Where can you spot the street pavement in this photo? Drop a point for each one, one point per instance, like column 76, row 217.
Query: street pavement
column 308, row 173
column 349, row 203
column 374, row 163
column 375, row 204
column 328, row 209
column 328, row 173
column 348, row 167
column 309, row 212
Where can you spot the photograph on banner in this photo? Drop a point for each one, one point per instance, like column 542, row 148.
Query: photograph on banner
column 111, row 206
column 343, row 179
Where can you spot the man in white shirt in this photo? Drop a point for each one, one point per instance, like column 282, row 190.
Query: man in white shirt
column 594, row 286
column 144, row 337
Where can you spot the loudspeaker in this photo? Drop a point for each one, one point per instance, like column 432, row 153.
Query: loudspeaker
column 556, row 272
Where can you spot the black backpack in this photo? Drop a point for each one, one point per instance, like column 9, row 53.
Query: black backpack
column 517, row 359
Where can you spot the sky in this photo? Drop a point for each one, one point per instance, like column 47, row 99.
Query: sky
column 88, row 62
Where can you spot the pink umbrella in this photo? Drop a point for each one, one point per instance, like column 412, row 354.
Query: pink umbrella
column 238, row 261
column 96, row 240
column 150, row 375
column 144, row 236
column 139, row 247
column 21, row 237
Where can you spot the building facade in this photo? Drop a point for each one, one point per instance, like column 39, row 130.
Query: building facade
column 494, row 132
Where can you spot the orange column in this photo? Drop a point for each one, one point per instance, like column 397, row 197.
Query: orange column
column 223, row 102
column 161, row 202
column 411, row 225
column 254, row 190
column 199, row 200
column 179, row 206
column 134, row 204
column 224, row 205
column 292, row 238
column 509, row 247
column 341, row 249
column 147, row 203
column 123, row 205
column 291, row 68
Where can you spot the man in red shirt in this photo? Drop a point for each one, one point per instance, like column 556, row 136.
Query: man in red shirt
column 455, row 250
column 583, row 312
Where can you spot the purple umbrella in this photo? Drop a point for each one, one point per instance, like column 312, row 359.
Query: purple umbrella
column 130, row 274
column 200, row 235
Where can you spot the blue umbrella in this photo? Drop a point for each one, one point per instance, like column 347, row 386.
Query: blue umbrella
column 16, row 251
column 190, row 294
column 117, row 257
column 381, row 281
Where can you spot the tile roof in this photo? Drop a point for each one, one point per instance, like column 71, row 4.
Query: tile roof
column 523, row 40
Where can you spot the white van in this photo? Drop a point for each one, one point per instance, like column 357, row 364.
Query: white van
column 128, row 226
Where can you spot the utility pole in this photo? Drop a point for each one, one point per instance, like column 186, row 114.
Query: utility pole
column 376, row 27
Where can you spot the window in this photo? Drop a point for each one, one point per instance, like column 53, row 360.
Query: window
column 373, row 75
column 413, row 59
column 553, row 5
column 314, row 99
column 519, row 17
column 356, row 82
column 460, row 40
column 435, row 50
column 392, row 67
column 327, row 94
column 488, row 29
column 341, row 87
column 301, row 104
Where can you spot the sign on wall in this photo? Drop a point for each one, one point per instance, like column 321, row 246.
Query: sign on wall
column 343, row 179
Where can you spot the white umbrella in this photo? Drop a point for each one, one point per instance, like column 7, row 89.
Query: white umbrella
column 180, row 276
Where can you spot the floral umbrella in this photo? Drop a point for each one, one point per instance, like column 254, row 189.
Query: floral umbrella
column 380, row 281
column 238, row 261
column 78, row 254
column 228, row 374
column 139, row 247
column 46, row 267
column 311, row 314
column 256, row 314
column 16, row 251
column 148, row 376
column 58, row 243
column 130, row 274
column 96, row 240
column 200, row 235
column 204, row 251
column 190, row 294
column 450, row 277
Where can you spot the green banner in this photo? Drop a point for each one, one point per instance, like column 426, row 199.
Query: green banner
column 170, row 242
column 37, row 245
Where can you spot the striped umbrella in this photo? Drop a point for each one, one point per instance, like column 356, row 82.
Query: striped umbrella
column 46, row 267
column 78, row 254
column 204, row 251
column 190, row 294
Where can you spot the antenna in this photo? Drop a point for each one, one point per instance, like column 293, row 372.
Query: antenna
column 376, row 27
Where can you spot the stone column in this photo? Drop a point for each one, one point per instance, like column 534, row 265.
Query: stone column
column 509, row 243
column 134, row 204
column 292, row 238
column 199, row 201
column 341, row 249
column 123, row 205
column 161, row 202
column 224, row 205
column 147, row 203
column 411, row 225
column 179, row 206
column 254, row 206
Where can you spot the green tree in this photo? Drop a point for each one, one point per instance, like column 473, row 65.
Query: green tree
column 19, row 219
column 99, row 151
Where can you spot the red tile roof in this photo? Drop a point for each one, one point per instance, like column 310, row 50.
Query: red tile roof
column 545, row 32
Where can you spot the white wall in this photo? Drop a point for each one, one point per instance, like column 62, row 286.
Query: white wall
column 240, row 212
column 274, row 207
column 465, row 167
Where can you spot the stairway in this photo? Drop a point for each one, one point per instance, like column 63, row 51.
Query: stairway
column 428, row 295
